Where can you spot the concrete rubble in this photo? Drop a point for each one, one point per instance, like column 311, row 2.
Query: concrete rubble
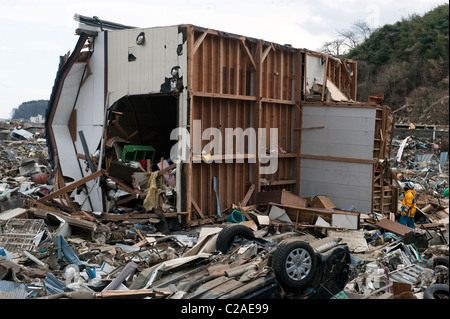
column 51, row 250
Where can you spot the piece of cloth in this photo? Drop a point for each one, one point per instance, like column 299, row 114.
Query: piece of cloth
column 409, row 204
column 150, row 198
column 407, row 221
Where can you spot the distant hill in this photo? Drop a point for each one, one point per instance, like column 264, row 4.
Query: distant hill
column 29, row 109
column 408, row 62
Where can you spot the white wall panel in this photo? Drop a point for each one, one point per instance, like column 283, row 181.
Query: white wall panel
column 347, row 133
column 88, row 101
column 154, row 60
column 345, row 183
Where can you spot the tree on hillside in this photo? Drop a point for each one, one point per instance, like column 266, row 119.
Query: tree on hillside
column 347, row 39
column 407, row 61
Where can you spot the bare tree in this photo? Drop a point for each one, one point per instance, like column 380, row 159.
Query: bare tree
column 333, row 47
column 348, row 39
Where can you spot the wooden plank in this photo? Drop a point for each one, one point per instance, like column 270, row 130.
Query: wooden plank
column 308, row 128
column 223, row 96
column 126, row 294
column 42, row 206
column 190, row 83
column 394, row 227
column 199, row 41
column 322, row 201
column 70, row 220
column 325, row 78
column 266, row 52
column 277, row 101
column 250, row 57
column 72, row 186
column 122, row 184
column 336, row 159
column 248, row 195
column 199, row 211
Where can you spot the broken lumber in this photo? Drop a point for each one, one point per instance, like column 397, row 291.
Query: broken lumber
column 394, row 227
column 71, row 187
column 124, row 294
column 85, row 224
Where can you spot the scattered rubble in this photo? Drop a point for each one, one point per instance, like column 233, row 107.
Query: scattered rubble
column 281, row 247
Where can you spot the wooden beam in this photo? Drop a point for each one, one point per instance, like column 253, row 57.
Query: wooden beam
column 309, row 128
column 277, row 101
column 337, row 159
column 193, row 106
column 168, row 168
column 127, row 294
column 223, row 96
column 325, row 79
column 199, row 211
column 122, row 184
column 249, row 54
column 43, row 206
column 266, row 52
column 119, row 128
column 71, row 186
column 70, row 220
column 199, row 41
column 248, row 195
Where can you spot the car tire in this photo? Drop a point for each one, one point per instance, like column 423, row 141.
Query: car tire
column 294, row 263
column 440, row 261
column 436, row 291
column 228, row 234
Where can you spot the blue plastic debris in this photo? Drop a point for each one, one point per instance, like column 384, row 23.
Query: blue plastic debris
column 53, row 285
column 12, row 290
column 69, row 254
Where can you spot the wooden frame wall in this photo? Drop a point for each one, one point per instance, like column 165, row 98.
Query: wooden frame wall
column 235, row 82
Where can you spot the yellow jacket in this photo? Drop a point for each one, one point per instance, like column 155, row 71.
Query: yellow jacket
column 409, row 203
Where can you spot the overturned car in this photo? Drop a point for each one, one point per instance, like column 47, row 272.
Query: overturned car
column 245, row 266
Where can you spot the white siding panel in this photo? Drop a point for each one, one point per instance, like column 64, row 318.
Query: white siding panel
column 346, row 184
column 68, row 94
column 154, row 60
column 69, row 163
column 88, row 100
column 347, row 132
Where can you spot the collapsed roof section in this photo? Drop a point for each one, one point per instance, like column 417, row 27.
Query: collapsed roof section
column 126, row 89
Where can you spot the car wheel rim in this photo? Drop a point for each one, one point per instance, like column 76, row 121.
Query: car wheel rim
column 298, row 264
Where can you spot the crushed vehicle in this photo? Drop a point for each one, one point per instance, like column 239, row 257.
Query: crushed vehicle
column 238, row 264
column 244, row 266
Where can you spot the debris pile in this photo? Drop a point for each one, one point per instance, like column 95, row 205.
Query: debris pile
column 24, row 164
column 280, row 246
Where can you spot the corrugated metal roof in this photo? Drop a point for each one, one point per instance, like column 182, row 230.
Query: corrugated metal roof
column 12, row 290
column 53, row 285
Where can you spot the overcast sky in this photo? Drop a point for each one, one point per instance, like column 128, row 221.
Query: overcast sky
column 35, row 33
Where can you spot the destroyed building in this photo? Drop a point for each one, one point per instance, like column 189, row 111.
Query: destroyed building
column 150, row 191
column 123, row 90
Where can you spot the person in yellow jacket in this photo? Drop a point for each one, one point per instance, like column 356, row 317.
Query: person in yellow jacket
column 408, row 206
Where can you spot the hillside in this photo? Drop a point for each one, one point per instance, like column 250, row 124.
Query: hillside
column 29, row 109
column 408, row 62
